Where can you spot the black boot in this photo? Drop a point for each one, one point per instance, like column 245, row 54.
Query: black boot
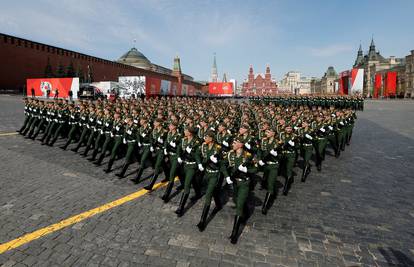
column 85, row 153
column 337, row 152
column 76, row 148
column 266, row 203
column 123, row 171
column 287, row 185
column 66, row 145
column 138, row 176
column 180, row 210
column 166, row 196
column 108, row 169
column 202, row 224
column 235, row 231
column 94, row 153
column 319, row 166
column 100, row 159
column 152, row 182
column 305, row 172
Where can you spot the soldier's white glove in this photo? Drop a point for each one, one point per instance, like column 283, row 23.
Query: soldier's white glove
column 247, row 145
column 273, row 152
column 135, row 121
column 261, row 163
column 225, row 144
column 200, row 167
column 322, row 130
column 139, row 144
column 107, row 124
column 242, row 168
column 188, row 149
column 101, row 131
column 117, row 128
column 341, row 123
column 179, row 160
column 228, row 180
column 172, row 144
column 151, row 149
column 143, row 134
column 330, row 128
column 129, row 132
column 160, row 140
column 308, row 136
column 112, row 135
column 165, row 152
column 291, row 143
column 124, row 140
column 213, row 159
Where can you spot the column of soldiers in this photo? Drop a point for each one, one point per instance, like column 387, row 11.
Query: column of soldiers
column 208, row 144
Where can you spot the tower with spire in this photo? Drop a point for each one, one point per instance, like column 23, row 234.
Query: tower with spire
column 177, row 72
column 214, row 74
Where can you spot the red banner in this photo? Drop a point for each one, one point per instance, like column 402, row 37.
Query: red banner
column 391, row 83
column 220, row 88
column 377, row 85
column 40, row 87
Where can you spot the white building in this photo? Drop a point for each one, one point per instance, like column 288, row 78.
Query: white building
column 295, row 83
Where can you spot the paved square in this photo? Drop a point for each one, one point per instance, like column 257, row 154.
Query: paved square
column 358, row 211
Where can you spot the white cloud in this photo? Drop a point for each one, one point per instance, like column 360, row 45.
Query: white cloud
column 330, row 50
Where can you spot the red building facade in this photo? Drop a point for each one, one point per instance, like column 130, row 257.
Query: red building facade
column 259, row 84
column 21, row 59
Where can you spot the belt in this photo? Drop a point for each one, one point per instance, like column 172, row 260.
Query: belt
column 306, row 144
column 172, row 153
column 146, row 144
column 107, row 131
column 189, row 162
column 211, row 171
column 272, row 162
column 241, row 180
column 117, row 135
column 131, row 141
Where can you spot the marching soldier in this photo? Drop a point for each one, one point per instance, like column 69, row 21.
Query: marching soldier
column 130, row 140
column 190, row 153
column 306, row 148
column 288, row 141
column 74, row 123
column 211, row 156
column 117, row 135
column 158, row 137
column 237, row 167
column 105, row 135
column 268, row 159
column 144, row 143
column 172, row 149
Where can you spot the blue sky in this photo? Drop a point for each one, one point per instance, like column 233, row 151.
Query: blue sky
column 306, row 36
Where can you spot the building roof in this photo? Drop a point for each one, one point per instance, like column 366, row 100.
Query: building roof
column 135, row 58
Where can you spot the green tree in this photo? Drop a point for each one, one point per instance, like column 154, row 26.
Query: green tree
column 70, row 71
column 48, row 70
column 60, row 73
column 79, row 74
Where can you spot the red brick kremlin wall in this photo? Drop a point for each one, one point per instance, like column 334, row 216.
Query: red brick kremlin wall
column 21, row 59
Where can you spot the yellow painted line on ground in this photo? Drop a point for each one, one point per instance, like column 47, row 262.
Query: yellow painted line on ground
column 72, row 220
column 7, row 134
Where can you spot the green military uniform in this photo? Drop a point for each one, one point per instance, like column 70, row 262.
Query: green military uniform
column 268, row 158
column 237, row 168
column 158, row 137
column 74, row 124
column 105, row 134
column 117, row 135
column 306, row 150
column 171, row 149
column 288, row 157
column 130, row 140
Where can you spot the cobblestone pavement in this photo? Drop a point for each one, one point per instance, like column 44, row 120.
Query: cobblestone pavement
column 357, row 212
